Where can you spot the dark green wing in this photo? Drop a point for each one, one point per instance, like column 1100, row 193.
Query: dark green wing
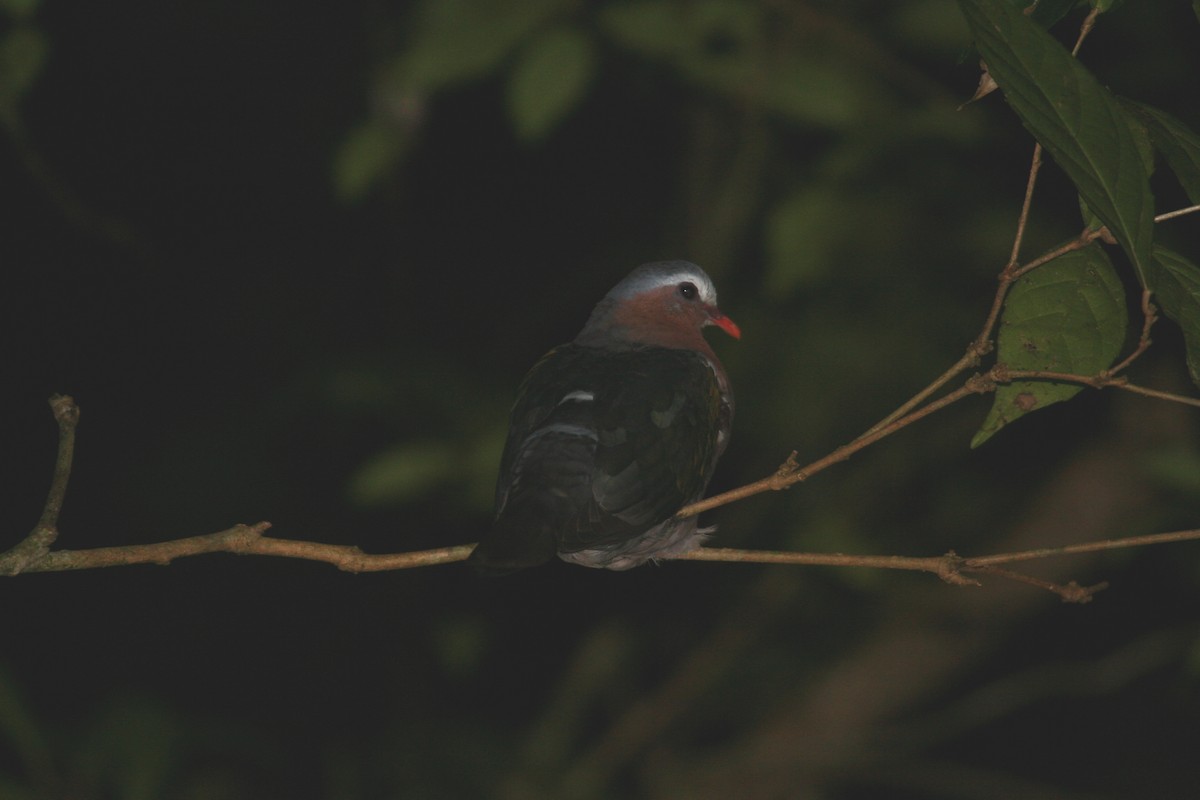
column 602, row 446
column 657, row 419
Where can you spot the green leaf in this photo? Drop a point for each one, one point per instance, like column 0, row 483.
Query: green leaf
column 403, row 473
column 411, row 470
column 801, row 233
column 812, row 90
column 714, row 43
column 721, row 45
column 1079, row 122
column 549, row 79
column 1090, row 220
column 459, row 40
column 19, row 9
column 652, row 27
column 22, row 56
column 131, row 750
column 1175, row 282
column 1066, row 316
column 367, row 153
column 1048, row 12
column 1176, row 466
column 1177, row 142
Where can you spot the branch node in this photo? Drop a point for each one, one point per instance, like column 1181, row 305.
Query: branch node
column 949, row 569
column 249, row 533
column 1074, row 593
column 790, row 466
column 978, row 349
column 64, row 409
column 30, row 550
column 981, row 384
column 354, row 562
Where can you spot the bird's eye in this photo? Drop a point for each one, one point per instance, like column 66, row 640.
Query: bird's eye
column 688, row 290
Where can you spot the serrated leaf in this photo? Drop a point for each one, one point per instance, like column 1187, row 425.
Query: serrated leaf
column 367, row 153
column 1175, row 282
column 1178, row 143
column 548, row 80
column 1145, row 150
column 1066, row 316
column 1078, row 121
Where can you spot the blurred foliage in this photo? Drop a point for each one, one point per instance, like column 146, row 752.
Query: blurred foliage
column 365, row 221
column 548, row 80
column 22, row 57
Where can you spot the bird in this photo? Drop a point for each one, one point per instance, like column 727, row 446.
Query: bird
column 614, row 432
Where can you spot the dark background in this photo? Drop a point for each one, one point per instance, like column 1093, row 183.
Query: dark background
column 252, row 332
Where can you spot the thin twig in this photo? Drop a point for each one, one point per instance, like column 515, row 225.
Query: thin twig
column 1088, row 23
column 1149, row 317
column 1084, row 239
column 1023, row 218
column 982, row 344
column 951, row 567
column 1001, row 374
column 1179, row 212
column 66, row 414
column 969, row 359
column 37, row 544
column 1156, row 394
column 788, row 474
column 1082, row 547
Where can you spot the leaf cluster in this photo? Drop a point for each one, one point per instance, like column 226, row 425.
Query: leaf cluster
column 1069, row 316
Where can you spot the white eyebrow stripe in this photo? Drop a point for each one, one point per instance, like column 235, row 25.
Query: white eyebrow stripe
column 707, row 292
column 578, row 396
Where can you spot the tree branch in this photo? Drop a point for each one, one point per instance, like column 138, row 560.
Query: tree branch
column 244, row 540
column 33, row 554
